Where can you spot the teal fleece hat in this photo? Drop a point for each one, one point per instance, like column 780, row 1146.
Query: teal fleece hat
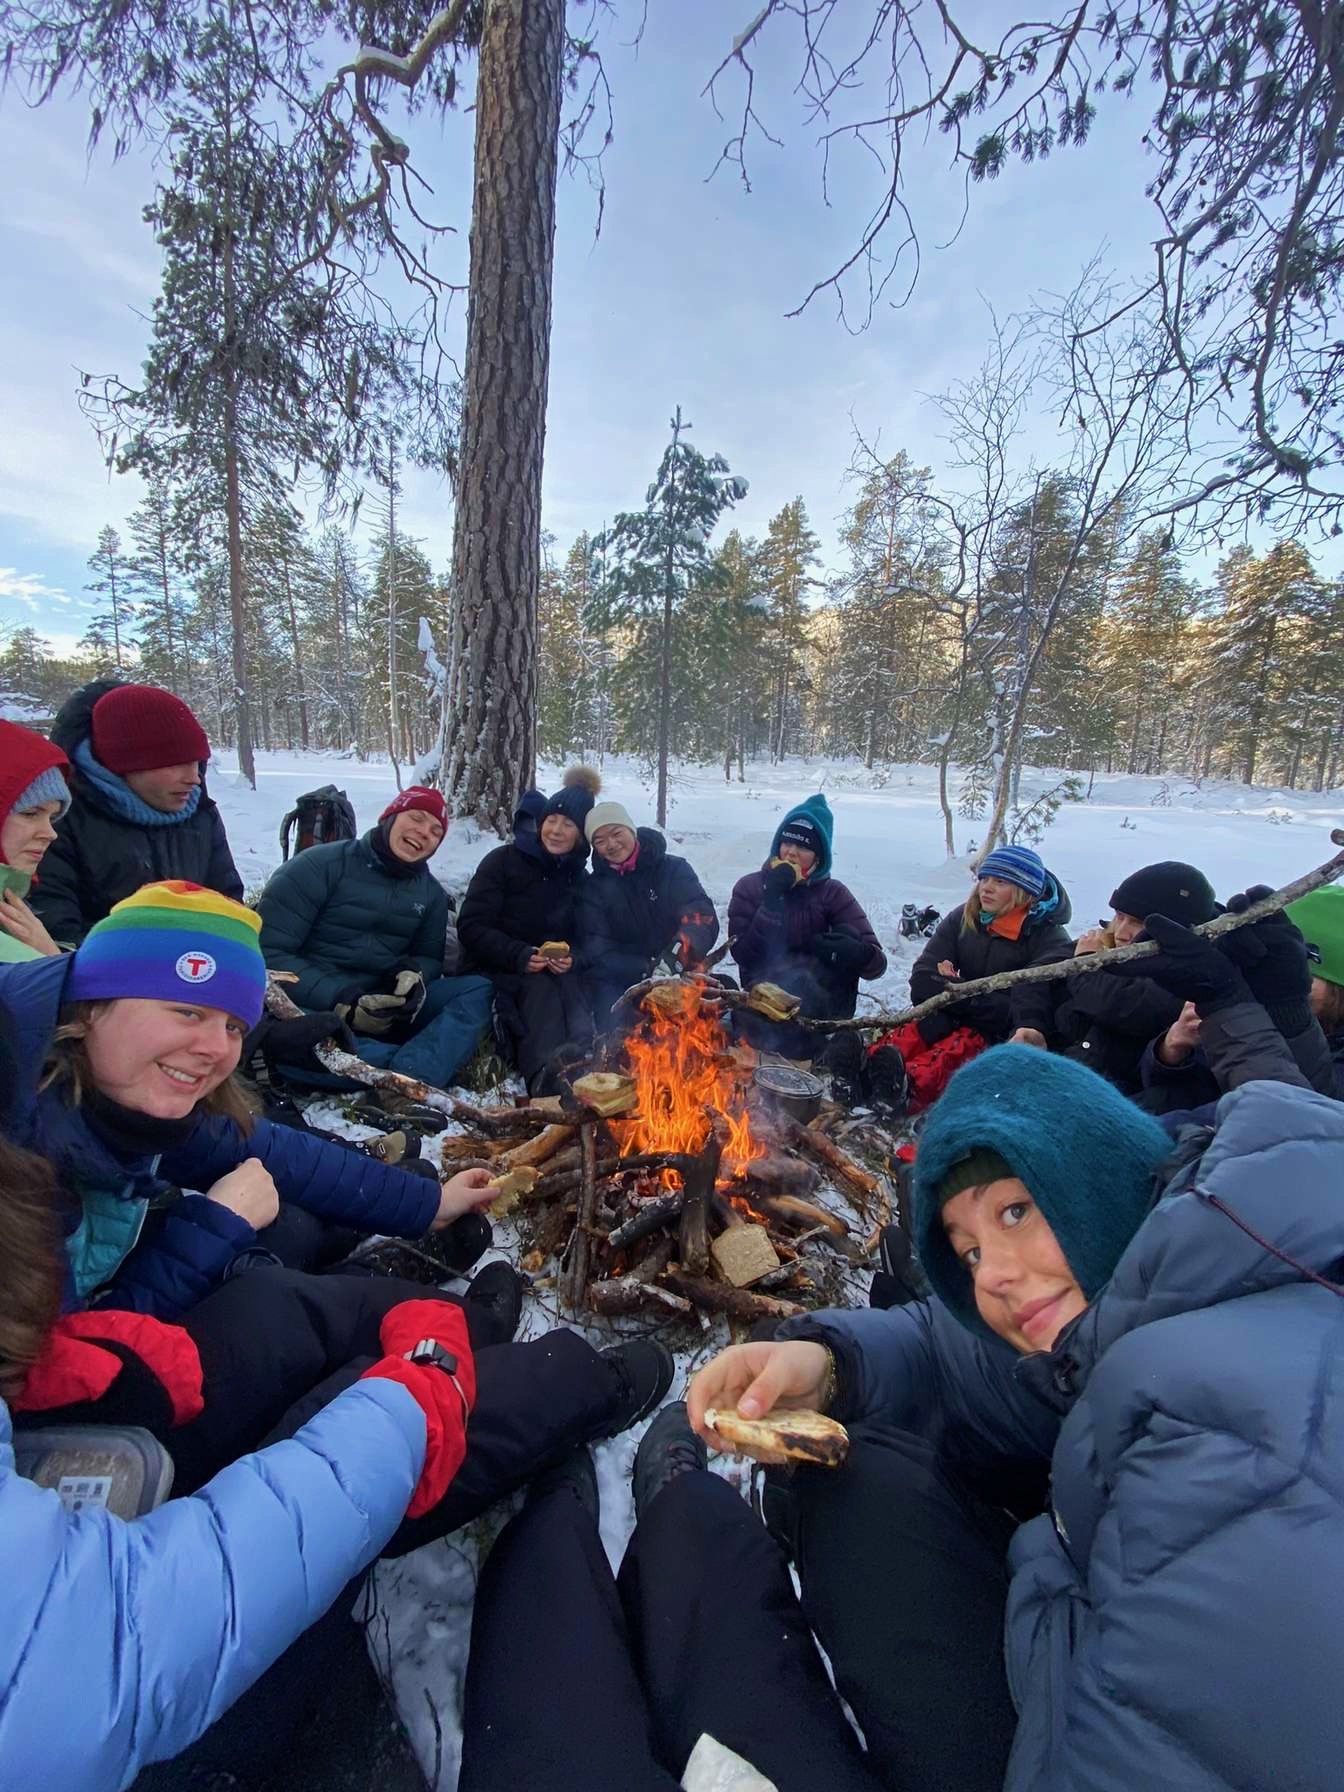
column 816, row 810
column 1087, row 1155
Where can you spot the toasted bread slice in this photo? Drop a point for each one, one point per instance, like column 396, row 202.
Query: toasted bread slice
column 511, row 1187
column 554, row 948
column 783, row 1437
column 772, row 1001
column 606, row 1092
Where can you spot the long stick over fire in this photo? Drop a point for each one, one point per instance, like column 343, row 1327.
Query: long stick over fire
column 1091, row 961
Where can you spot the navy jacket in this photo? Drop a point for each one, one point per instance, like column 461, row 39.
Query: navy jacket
column 336, row 917
column 123, row 1642
column 627, row 920
column 189, row 1242
column 519, row 897
column 1175, row 1619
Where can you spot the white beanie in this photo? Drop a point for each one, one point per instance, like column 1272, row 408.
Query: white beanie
column 607, row 815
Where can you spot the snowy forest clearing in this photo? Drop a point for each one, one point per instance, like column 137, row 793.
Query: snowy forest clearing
column 888, row 838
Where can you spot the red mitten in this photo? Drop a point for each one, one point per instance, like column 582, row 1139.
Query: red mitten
column 446, row 1398
column 72, row 1369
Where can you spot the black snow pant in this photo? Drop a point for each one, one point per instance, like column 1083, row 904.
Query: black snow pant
column 904, row 1580
column 539, row 1014
column 700, row 1633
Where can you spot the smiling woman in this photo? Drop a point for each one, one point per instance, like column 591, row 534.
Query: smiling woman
column 33, row 797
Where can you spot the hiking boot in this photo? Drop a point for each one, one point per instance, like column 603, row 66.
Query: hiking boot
column 898, row 1281
column 461, row 1246
column 645, row 1369
column 572, row 1474
column 887, row 1084
column 495, row 1296
column 396, row 1257
column 394, row 1147
column 842, row 1058
column 667, row 1449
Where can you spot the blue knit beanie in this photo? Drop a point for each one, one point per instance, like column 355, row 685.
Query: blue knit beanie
column 1016, row 865
column 1085, row 1152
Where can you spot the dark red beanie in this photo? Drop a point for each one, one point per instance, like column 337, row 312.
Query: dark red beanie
column 138, row 728
column 419, row 796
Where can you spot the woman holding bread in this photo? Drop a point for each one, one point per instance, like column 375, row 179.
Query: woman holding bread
column 1134, row 1353
column 519, row 919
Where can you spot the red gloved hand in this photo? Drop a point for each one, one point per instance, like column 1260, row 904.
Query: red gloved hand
column 444, row 1396
column 72, row 1368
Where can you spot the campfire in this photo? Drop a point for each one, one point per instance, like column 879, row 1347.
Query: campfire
column 673, row 1187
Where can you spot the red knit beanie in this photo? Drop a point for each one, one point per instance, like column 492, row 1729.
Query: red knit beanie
column 24, row 756
column 419, row 796
column 139, row 728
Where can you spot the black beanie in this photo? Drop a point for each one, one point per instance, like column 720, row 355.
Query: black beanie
column 1178, row 891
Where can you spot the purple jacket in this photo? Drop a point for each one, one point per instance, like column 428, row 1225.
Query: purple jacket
column 766, row 940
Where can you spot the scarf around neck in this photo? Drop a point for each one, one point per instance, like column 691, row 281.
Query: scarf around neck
column 118, row 796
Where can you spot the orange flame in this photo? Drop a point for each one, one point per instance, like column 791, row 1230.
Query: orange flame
column 682, row 1064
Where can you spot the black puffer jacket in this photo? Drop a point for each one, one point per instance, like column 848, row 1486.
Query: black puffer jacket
column 627, row 920
column 977, row 953
column 1105, row 1022
column 336, row 917
column 98, row 857
column 519, row 897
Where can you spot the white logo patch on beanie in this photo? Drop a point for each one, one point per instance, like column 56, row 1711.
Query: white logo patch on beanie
column 196, row 967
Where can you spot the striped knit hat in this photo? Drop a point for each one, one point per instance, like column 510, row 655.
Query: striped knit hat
column 1015, row 865
column 174, row 942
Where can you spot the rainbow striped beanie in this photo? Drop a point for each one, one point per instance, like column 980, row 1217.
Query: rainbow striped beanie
column 174, row 942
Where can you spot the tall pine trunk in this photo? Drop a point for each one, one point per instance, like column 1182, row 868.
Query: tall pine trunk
column 297, row 649
column 665, row 683
column 488, row 730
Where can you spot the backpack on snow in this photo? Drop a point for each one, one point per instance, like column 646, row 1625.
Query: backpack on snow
column 316, row 818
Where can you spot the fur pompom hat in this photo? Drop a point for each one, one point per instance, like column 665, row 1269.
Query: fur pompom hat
column 576, row 795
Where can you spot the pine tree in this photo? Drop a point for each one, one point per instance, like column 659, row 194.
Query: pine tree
column 569, row 658
column 109, row 635
column 658, row 557
column 155, row 568
column 1263, row 605
column 788, row 556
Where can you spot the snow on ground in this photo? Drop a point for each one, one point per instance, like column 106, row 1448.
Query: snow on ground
column 889, row 850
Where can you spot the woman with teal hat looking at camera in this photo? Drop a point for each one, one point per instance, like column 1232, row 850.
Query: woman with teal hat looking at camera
column 1087, row 1532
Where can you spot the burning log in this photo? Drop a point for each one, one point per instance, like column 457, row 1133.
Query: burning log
column 649, row 1219
column 544, row 1145
column 737, row 1303
column 628, row 1294
column 655, row 1260
column 792, row 1211
column 574, row 1276
column 786, row 1175
column 701, row 1175
column 859, row 1184
column 500, row 1122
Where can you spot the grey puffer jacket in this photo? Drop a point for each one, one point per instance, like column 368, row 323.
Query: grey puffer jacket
column 1174, row 1621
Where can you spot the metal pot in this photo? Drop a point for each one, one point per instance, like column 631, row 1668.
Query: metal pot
column 794, row 1092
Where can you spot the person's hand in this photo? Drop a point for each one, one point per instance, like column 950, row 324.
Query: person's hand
column 757, row 1379
column 1180, row 1038
column 294, row 1041
column 1187, row 965
column 1271, row 955
column 779, row 880
column 444, row 1395
column 467, row 1192
column 249, row 1191
column 1094, row 940
column 560, row 965
column 1028, row 1036
column 537, row 963
column 949, row 971
column 21, row 924
column 842, row 950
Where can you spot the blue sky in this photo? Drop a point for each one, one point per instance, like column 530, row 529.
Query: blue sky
column 682, row 300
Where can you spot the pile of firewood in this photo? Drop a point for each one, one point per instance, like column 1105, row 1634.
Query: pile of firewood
column 670, row 1234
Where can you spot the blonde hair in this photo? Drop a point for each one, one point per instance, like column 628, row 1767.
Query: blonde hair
column 970, row 915
column 67, row 1070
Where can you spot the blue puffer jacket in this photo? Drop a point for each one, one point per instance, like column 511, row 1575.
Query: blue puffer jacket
column 197, row 1240
column 1175, row 1621
column 126, row 1641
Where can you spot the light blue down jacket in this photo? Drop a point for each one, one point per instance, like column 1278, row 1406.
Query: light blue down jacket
column 122, row 1642
column 1177, row 1619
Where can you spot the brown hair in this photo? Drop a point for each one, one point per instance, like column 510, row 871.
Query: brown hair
column 30, row 1262
column 1331, row 1016
column 67, row 1069
column 970, row 915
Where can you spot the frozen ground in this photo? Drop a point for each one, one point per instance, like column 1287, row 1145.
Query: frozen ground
column 889, row 850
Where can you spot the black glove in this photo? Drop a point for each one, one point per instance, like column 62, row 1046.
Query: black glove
column 292, row 1041
column 1189, row 966
column 842, row 951
column 779, row 880
column 1272, row 956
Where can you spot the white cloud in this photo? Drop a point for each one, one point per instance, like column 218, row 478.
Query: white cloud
column 30, row 588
